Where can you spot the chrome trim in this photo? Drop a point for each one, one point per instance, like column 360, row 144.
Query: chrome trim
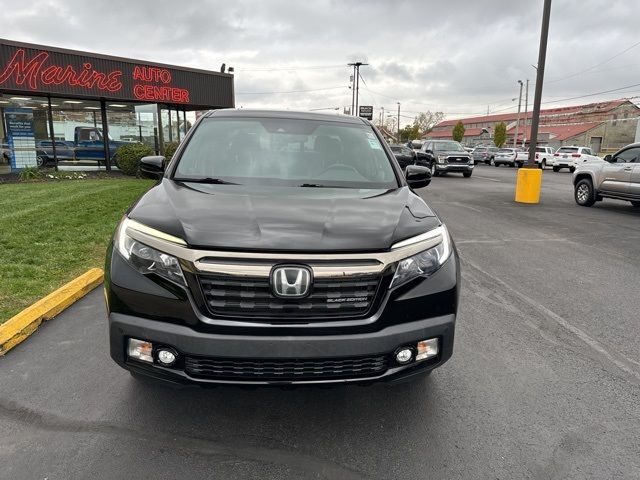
column 324, row 265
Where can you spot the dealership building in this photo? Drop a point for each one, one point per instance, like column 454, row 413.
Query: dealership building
column 73, row 109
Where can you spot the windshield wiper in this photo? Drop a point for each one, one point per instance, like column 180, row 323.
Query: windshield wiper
column 319, row 185
column 210, row 180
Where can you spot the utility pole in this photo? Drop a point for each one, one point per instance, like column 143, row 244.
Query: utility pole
column 515, row 137
column 542, row 56
column 353, row 89
column 398, row 122
column 355, row 86
column 382, row 116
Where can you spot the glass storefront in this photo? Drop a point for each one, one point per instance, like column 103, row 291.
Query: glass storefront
column 78, row 142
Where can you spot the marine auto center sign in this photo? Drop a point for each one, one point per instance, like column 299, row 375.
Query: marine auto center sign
column 62, row 72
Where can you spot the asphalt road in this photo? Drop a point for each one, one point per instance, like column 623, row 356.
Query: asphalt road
column 544, row 382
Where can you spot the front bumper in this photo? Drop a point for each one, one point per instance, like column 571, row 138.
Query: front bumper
column 189, row 343
column 453, row 167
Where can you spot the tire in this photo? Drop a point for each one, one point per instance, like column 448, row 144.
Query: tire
column 543, row 164
column 466, row 174
column 432, row 168
column 41, row 161
column 512, row 165
column 519, row 164
column 496, row 164
column 556, row 169
column 635, row 203
column 584, row 194
column 492, row 162
column 572, row 169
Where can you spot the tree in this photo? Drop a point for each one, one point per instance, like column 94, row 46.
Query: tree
column 500, row 134
column 423, row 123
column 458, row 131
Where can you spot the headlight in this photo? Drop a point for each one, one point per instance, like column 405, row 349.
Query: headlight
column 441, row 158
column 146, row 259
column 424, row 263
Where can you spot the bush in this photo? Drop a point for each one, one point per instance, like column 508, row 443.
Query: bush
column 170, row 149
column 129, row 157
column 30, row 173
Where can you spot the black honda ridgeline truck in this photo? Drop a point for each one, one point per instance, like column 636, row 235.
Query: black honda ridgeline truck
column 281, row 248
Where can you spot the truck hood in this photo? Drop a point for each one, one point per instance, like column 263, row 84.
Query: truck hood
column 244, row 217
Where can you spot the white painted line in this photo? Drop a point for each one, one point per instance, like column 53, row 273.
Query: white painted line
column 622, row 362
column 488, row 178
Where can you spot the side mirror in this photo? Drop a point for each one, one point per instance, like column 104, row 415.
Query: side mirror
column 417, row 177
column 608, row 158
column 152, row 167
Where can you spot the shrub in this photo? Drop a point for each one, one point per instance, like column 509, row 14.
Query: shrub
column 500, row 134
column 129, row 157
column 170, row 149
column 30, row 173
column 458, row 131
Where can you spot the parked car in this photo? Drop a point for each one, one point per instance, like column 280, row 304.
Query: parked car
column 406, row 156
column 617, row 176
column 448, row 156
column 541, row 158
column 257, row 264
column 570, row 157
column 508, row 156
column 44, row 150
column 484, row 154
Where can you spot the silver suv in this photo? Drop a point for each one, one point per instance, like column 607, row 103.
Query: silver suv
column 618, row 176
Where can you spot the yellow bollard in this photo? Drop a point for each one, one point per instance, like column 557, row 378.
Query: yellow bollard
column 528, row 185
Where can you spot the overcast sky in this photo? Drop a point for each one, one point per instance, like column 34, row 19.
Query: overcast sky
column 455, row 56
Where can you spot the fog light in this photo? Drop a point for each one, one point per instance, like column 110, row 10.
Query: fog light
column 404, row 355
column 140, row 350
column 427, row 349
column 166, row 357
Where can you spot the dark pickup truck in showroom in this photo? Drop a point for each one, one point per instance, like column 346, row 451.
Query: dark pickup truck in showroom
column 281, row 248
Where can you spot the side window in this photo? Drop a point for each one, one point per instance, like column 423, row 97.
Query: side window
column 628, row 156
column 586, row 151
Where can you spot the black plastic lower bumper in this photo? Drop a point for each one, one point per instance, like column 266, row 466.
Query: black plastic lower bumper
column 188, row 342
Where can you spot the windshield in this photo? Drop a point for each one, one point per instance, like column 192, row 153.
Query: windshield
column 567, row 150
column 448, row 146
column 290, row 152
column 505, row 150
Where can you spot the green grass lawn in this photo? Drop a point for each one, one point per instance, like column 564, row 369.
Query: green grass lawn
column 51, row 232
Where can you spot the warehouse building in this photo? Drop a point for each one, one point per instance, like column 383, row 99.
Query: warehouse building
column 603, row 126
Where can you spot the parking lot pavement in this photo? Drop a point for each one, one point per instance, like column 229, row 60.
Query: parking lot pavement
column 544, row 381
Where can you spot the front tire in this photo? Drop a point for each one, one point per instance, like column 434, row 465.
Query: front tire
column 584, row 194
column 466, row 174
column 543, row 164
column 572, row 169
column 492, row 162
column 556, row 169
column 432, row 168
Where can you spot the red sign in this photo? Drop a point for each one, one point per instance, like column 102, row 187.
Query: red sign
column 145, row 83
column 35, row 69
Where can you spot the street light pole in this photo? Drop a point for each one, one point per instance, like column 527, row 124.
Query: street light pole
column 526, row 108
column 398, row 122
column 542, row 56
column 515, row 137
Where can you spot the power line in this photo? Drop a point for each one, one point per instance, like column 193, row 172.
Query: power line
column 290, row 91
column 289, row 69
column 596, row 65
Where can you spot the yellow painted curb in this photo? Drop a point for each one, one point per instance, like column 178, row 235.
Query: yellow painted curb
column 18, row 328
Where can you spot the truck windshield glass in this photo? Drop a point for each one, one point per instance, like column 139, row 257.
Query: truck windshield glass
column 288, row 152
column 448, row 147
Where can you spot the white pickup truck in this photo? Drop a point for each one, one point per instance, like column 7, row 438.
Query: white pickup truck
column 570, row 157
column 544, row 157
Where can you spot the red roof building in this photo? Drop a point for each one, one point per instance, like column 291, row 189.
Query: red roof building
column 612, row 125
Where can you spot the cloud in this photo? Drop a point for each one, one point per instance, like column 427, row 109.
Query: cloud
column 456, row 56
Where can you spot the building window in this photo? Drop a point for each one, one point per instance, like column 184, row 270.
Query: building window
column 24, row 126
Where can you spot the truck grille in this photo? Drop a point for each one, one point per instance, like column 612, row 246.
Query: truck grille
column 252, row 297
column 458, row 159
column 285, row 370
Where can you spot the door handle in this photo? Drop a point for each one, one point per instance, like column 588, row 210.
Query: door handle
column 627, row 169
